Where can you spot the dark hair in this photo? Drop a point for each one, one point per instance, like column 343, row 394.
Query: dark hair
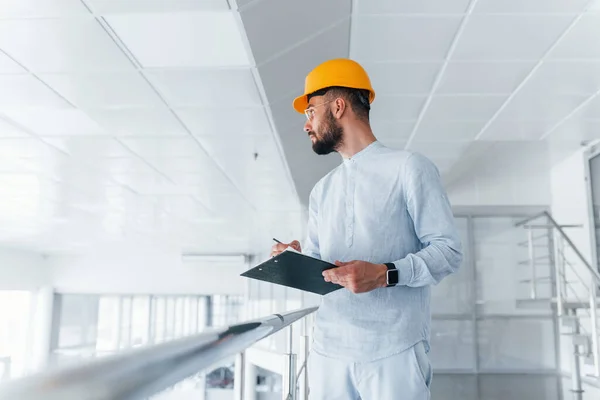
column 358, row 99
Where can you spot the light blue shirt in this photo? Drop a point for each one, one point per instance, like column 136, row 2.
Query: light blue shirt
column 382, row 205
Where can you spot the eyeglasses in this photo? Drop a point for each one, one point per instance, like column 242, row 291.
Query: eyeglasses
column 310, row 112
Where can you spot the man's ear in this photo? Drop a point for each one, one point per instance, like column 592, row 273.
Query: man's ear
column 340, row 107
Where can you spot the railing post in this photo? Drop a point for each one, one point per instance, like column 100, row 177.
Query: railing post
column 559, row 273
column 594, row 323
column 532, row 263
column 289, row 381
column 239, row 377
column 575, row 369
column 303, row 384
column 289, row 377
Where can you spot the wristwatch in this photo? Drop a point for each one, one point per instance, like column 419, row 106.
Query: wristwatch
column 391, row 275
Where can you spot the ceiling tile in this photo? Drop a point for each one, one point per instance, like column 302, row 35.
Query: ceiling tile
column 483, row 77
column 21, row 147
column 592, row 109
column 242, row 3
column 41, row 8
column 210, row 178
column 8, row 66
column 397, row 107
column 246, row 147
column 530, row 6
column 402, row 78
column 61, row 45
column 47, row 122
column 24, row 90
column 110, row 90
column 411, row 6
column 435, row 129
column 181, row 40
column 576, row 130
column 509, row 37
column 463, row 107
column 225, row 122
column 516, row 130
column 158, row 121
column 122, row 165
column 184, row 207
column 560, row 78
column 529, row 105
column 392, row 130
column 150, row 183
column 290, row 23
column 170, row 165
column 104, row 7
column 286, row 73
column 435, row 36
column 439, row 149
column 165, row 147
column 89, row 147
column 246, row 170
column 207, row 88
column 8, row 130
column 581, row 41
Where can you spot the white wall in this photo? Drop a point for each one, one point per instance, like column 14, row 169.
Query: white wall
column 507, row 174
column 130, row 268
column 569, row 199
column 23, row 270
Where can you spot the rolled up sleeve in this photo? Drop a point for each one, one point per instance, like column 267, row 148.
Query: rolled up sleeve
column 431, row 213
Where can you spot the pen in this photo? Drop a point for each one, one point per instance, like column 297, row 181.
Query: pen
column 277, row 241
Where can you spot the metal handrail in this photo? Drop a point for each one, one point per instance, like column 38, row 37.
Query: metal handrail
column 595, row 277
column 140, row 373
column 546, row 214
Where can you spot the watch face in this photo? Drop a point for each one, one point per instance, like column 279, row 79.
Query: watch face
column 392, row 277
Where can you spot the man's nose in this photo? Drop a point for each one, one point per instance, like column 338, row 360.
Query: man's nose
column 307, row 127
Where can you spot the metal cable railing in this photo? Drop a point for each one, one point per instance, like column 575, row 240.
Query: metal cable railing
column 564, row 287
column 140, row 373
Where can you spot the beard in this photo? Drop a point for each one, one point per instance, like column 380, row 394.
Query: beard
column 330, row 138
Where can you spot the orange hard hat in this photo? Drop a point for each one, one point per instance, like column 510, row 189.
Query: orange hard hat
column 337, row 72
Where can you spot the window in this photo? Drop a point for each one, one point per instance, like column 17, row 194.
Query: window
column 14, row 329
column 97, row 325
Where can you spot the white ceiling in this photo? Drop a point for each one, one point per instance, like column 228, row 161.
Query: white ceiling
column 171, row 120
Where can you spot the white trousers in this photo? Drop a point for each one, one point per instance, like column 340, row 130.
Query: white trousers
column 404, row 376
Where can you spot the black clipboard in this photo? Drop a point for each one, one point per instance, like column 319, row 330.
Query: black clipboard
column 295, row 270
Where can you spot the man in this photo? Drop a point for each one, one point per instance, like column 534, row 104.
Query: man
column 384, row 219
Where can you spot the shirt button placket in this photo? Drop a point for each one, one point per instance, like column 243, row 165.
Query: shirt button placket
column 350, row 204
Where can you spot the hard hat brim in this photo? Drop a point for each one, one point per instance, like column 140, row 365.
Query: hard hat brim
column 300, row 103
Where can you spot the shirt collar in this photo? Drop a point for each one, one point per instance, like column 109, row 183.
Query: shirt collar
column 370, row 148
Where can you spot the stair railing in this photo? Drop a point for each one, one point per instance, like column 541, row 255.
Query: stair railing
column 558, row 242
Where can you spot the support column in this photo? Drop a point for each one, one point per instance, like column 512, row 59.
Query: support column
column 40, row 328
column 249, row 381
column 239, row 377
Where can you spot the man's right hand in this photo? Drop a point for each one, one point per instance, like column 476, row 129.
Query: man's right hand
column 278, row 248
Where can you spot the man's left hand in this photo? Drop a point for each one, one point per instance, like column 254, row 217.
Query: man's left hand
column 357, row 276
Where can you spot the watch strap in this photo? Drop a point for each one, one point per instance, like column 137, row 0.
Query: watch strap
column 391, row 266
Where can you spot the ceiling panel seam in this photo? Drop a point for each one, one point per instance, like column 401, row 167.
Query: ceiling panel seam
column 119, row 43
column 34, row 75
column 34, row 136
column 264, row 99
column 440, row 74
column 569, row 115
column 308, row 38
column 533, row 70
column 352, row 31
